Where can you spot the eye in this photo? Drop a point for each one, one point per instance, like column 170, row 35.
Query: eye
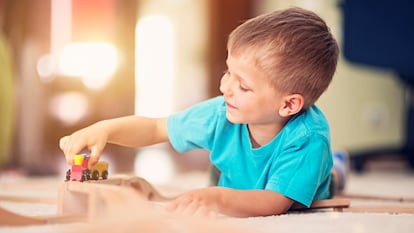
column 226, row 73
column 243, row 88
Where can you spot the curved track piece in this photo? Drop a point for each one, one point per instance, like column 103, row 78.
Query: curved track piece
column 8, row 218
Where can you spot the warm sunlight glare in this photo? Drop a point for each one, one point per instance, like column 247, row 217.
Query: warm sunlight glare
column 94, row 62
column 154, row 164
column 154, row 83
column 154, row 66
column 69, row 108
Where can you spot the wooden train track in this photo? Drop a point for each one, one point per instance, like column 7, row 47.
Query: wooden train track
column 89, row 201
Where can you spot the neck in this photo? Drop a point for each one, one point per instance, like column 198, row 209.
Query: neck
column 261, row 135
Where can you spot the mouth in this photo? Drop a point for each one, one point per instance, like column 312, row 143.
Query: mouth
column 230, row 106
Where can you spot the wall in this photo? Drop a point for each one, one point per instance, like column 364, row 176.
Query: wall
column 364, row 105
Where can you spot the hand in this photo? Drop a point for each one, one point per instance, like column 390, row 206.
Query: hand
column 201, row 202
column 93, row 138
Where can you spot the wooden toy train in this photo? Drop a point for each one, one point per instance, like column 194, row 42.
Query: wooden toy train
column 80, row 171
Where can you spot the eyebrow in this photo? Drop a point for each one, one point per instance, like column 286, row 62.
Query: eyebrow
column 241, row 79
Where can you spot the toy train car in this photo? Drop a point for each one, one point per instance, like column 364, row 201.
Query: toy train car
column 80, row 172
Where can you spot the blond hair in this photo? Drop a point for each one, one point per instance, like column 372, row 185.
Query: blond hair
column 294, row 48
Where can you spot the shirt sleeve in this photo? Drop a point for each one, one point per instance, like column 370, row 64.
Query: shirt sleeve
column 301, row 169
column 195, row 127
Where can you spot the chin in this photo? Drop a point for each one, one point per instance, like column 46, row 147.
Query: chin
column 233, row 119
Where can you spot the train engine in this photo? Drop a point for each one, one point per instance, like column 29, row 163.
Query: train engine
column 80, row 172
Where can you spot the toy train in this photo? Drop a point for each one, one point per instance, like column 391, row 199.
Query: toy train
column 80, row 172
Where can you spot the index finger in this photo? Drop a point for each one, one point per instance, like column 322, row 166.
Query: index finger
column 70, row 147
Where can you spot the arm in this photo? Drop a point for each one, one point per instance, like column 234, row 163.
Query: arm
column 131, row 131
column 238, row 203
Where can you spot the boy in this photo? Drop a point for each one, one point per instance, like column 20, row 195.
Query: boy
column 265, row 135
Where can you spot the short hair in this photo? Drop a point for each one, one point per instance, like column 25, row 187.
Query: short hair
column 294, row 48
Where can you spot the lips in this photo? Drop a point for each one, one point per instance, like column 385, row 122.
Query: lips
column 230, row 106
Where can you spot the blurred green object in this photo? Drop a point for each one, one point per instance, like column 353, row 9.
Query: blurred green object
column 6, row 101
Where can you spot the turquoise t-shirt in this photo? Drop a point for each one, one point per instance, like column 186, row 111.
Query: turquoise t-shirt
column 296, row 163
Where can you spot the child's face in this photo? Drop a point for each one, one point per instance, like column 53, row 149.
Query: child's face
column 249, row 95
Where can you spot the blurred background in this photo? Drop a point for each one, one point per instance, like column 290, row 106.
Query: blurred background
column 66, row 64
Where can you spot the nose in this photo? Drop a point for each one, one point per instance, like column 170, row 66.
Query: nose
column 225, row 84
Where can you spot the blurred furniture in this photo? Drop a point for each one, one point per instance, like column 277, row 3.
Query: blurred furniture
column 224, row 16
column 6, row 101
column 380, row 34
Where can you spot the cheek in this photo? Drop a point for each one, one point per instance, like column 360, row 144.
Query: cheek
column 257, row 107
column 247, row 103
column 270, row 106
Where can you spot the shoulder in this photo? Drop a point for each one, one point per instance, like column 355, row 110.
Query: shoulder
column 308, row 129
column 308, row 123
column 198, row 125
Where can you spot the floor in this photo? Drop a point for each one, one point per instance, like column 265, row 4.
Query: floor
column 387, row 182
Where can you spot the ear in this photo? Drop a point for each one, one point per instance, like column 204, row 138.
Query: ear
column 291, row 105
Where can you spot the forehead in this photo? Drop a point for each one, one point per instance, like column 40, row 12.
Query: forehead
column 244, row 66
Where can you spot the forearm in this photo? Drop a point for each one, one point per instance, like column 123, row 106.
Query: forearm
column 135, row 131
column 231, row 202
column 249, row 203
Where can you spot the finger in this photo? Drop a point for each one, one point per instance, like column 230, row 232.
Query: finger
column 213, row 214
column 69, row 159
column 62, row 142
column 95, row 155
column 190, row 209
column 71, row 149
column 62, row 145
column 171, row 206
column 175, row 206
column 180, row 208
column 202, row 211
